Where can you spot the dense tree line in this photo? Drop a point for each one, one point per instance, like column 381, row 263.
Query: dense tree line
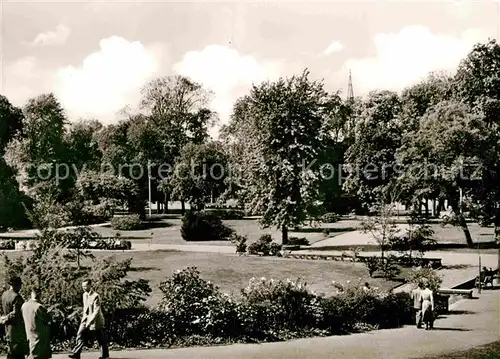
column 290, row 152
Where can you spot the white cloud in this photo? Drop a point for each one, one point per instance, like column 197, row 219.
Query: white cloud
column 108, row 79
column 335, row 46
column 57, row 37
column 227, row 73
column 406, row 57
column 23, row 79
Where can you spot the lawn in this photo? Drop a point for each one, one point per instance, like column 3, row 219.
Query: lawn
column 168, row 232
column 232, row 273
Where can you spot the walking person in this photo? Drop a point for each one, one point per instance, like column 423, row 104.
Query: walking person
column 427, row 299
column 417, row 303
column 37, row 324
column 92, row 323
column 17, row 346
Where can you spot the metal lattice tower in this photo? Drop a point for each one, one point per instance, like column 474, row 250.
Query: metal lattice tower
column 350, row 91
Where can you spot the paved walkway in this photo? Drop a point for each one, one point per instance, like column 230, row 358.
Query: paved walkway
column 473, row 322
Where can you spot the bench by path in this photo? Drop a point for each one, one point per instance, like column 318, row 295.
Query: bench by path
column 476, row 326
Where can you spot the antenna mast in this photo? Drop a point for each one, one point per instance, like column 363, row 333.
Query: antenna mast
column 350, row 91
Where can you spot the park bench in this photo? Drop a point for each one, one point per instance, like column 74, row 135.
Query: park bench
column 485, row 278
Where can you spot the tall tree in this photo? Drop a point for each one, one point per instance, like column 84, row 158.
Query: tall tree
column 439, row 159
column 370, row 160
column 11, row 200
column 477, row 83
column 35, row 155
column 283, row 126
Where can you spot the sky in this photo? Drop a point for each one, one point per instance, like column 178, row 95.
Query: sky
column 96, row 55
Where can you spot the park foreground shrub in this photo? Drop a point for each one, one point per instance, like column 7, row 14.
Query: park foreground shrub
column 194, row 311
column 204, row 226
column 126, row 223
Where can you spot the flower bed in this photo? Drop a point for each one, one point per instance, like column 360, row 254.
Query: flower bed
column 100, row 243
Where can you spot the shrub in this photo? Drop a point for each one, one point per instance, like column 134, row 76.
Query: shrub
column 388, row 266
column 295, row 241
column 431, row 275
column 196, row 306
column 240, row 242
column 126, row 223
column 330, row 218
column 51, row 267
column 282, row 304
column 372, row 264
column 204, row 226
column 227, row 214
column 264, row 246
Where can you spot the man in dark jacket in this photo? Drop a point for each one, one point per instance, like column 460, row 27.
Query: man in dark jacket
column 13, row 319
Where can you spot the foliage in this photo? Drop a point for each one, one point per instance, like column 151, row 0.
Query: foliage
column 53, row 268
column 278, row 131
column 227, row 214
column 370, row 162
column 196, row 306
column 372, row 264
column 204, row 226
column 264, row 246
column 330, row 218
column 388, row 266
column 416, row 275
column 382, row 227
column 126, row 223
column 240, row 243
column 200, row 172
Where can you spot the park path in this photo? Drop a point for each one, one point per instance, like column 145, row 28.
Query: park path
column 471, row 323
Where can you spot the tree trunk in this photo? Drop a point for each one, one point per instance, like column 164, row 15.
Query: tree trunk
column 426, row 207
column 284, row 235
column 465, row 228
column 183, row 206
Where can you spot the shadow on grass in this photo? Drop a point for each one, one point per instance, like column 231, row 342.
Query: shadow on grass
column 452, row 329
column 321, row 230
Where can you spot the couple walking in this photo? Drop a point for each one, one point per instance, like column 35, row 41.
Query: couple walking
column 27, row 324
column 423, row 304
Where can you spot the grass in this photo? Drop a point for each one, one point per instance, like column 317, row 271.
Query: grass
column 232, row 273
column 489, row 351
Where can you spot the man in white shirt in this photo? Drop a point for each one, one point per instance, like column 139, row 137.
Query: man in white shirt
column 92, row 322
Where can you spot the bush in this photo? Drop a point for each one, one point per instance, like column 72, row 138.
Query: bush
column 295, row 241
column 126, row 223
column 389, row 266
column 416, row 275
column 264, row 246
column 196, row 307
column 204, row 226
column 240, row 242
column 52, row 267
column 372, row 264
column 226, row 214
column 330, row 218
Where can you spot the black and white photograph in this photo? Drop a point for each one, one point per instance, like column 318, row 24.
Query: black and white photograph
column 250, row 180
